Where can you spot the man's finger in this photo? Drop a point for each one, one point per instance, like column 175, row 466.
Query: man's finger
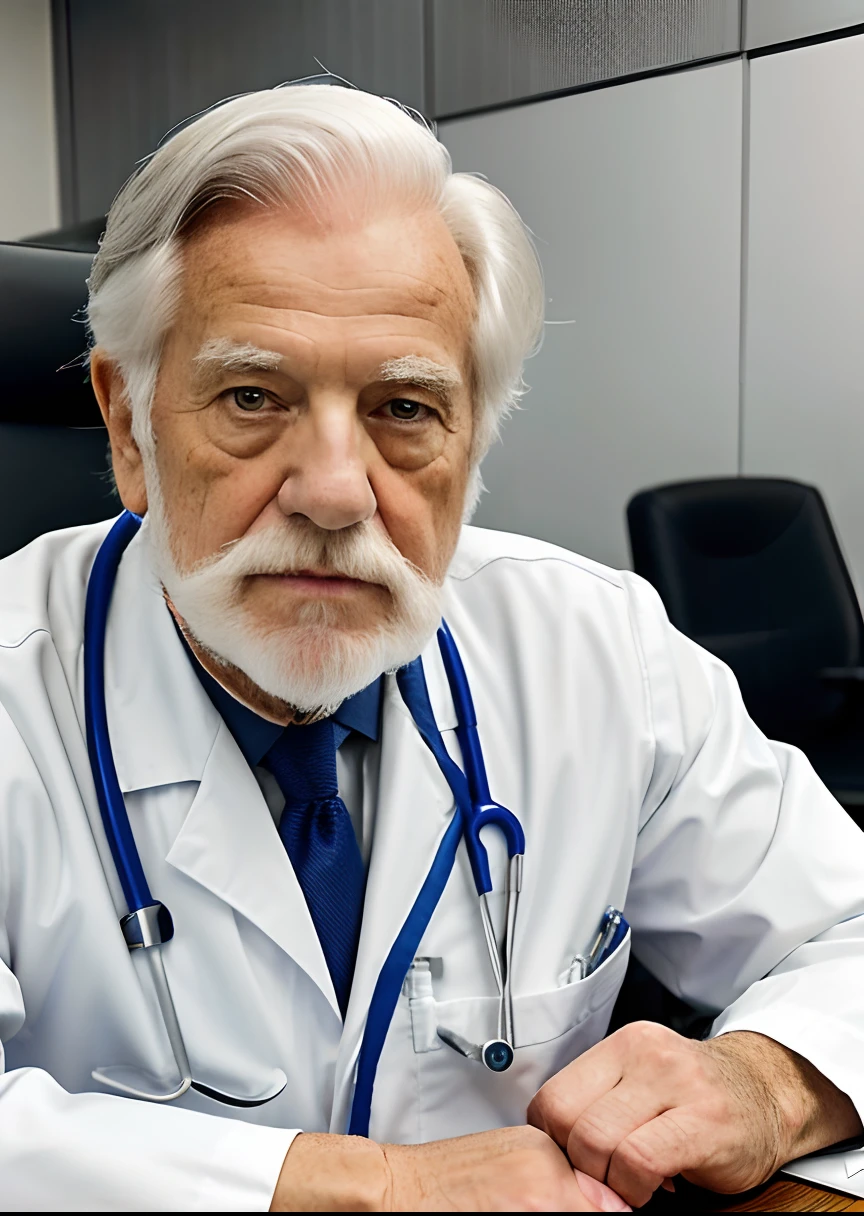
column 660, row 1057
column 662, row 1148
column 560, row 1102
column 599, row 1130
column 603, row 1197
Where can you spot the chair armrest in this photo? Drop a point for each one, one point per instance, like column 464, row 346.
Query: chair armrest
column 843, row 675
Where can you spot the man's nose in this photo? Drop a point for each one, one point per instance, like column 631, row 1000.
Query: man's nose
column 328, row 481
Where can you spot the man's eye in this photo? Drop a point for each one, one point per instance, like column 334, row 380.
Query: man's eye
column 250, row 399
column 404, row 411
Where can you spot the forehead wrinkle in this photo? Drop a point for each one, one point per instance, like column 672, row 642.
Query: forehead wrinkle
column 266, row 291
column 372, row 279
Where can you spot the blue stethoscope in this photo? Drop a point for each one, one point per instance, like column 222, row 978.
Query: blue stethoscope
column 147, row 926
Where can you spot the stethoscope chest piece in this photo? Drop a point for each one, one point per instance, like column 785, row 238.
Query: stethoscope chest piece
column 497, row 1055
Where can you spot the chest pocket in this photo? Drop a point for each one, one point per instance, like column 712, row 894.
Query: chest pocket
column 455, row 1095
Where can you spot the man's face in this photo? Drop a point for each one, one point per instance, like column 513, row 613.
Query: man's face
column 318, row 374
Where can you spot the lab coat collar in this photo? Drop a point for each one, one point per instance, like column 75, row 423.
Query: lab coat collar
column 161, row 722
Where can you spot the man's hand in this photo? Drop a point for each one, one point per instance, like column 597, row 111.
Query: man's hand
column 516, row 1169
column 646, row 1104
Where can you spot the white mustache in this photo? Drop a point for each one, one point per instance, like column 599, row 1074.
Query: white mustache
column 362, row 551
column 316, row 658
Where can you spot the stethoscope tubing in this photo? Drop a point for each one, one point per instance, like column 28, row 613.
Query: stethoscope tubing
column 147, row 925
column 474, row 811
column 466, row 718
column 484, row 811
column 112, row 806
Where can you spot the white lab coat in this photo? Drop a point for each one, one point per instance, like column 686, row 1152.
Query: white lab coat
column 639, row 780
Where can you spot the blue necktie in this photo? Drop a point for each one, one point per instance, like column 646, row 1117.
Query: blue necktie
column 317, row 832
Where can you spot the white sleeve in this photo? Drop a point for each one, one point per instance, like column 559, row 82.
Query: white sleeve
column 95, row 1152
column 747, row 894
column 61, row 1151
column 98, row 1153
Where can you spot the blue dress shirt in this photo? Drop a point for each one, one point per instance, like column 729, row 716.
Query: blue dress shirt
column 358, row 717
column 256, row 735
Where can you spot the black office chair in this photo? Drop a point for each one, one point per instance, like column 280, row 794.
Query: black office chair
column 750, row 568
column 53, row 446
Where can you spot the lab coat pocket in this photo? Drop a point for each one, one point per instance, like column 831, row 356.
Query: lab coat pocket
column 551, row 1028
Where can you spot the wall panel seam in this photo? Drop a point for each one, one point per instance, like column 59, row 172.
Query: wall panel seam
column 745, row 257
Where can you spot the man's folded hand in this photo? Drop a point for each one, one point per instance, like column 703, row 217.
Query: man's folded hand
column 646, row 1104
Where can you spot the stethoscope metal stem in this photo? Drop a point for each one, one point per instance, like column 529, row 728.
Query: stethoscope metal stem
column 514, row 886
column 128, row 1081
column 492, row 945
column 137, row 1084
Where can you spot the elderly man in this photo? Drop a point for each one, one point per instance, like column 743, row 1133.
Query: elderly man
column 306, row 329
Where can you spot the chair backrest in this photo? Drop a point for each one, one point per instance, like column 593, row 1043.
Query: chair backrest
column 53, row 447
column 750, row 568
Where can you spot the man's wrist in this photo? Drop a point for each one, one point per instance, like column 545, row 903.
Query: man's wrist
column 810, row 1111
column 327, row 1173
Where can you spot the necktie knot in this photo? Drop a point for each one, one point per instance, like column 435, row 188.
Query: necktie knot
column 303, row 761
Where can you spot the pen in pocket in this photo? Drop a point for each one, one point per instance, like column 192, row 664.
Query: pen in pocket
column 612, row 931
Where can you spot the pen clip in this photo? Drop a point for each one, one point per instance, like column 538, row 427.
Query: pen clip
column 612, row 919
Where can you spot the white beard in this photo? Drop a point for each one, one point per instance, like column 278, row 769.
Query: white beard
column 312, row 662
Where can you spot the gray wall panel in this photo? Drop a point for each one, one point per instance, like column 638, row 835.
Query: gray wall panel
column 141, row 66
column 29, row 192
column 770, row 21
column 804, row 366
column 491, row 51
column 634, row 195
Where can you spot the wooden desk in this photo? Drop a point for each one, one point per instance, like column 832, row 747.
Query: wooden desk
column 779, row 1195
column 784, row 1195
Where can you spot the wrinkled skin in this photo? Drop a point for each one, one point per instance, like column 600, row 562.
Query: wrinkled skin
column 647, row 1104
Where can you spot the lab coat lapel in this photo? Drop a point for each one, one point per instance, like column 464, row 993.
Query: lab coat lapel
column 164, row 729
column 414, row 809
column 229, row 844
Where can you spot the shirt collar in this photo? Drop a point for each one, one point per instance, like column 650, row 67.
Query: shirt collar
column 256, row 735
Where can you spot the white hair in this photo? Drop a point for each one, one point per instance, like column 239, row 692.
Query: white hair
column 301, row 145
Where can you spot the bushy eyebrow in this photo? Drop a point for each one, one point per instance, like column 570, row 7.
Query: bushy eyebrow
column 220, row 355
column 438, row 378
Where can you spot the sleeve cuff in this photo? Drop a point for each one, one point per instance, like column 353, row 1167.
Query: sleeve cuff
column 245, row 1168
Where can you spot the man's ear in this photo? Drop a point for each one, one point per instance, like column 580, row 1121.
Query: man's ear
column 110, row 390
